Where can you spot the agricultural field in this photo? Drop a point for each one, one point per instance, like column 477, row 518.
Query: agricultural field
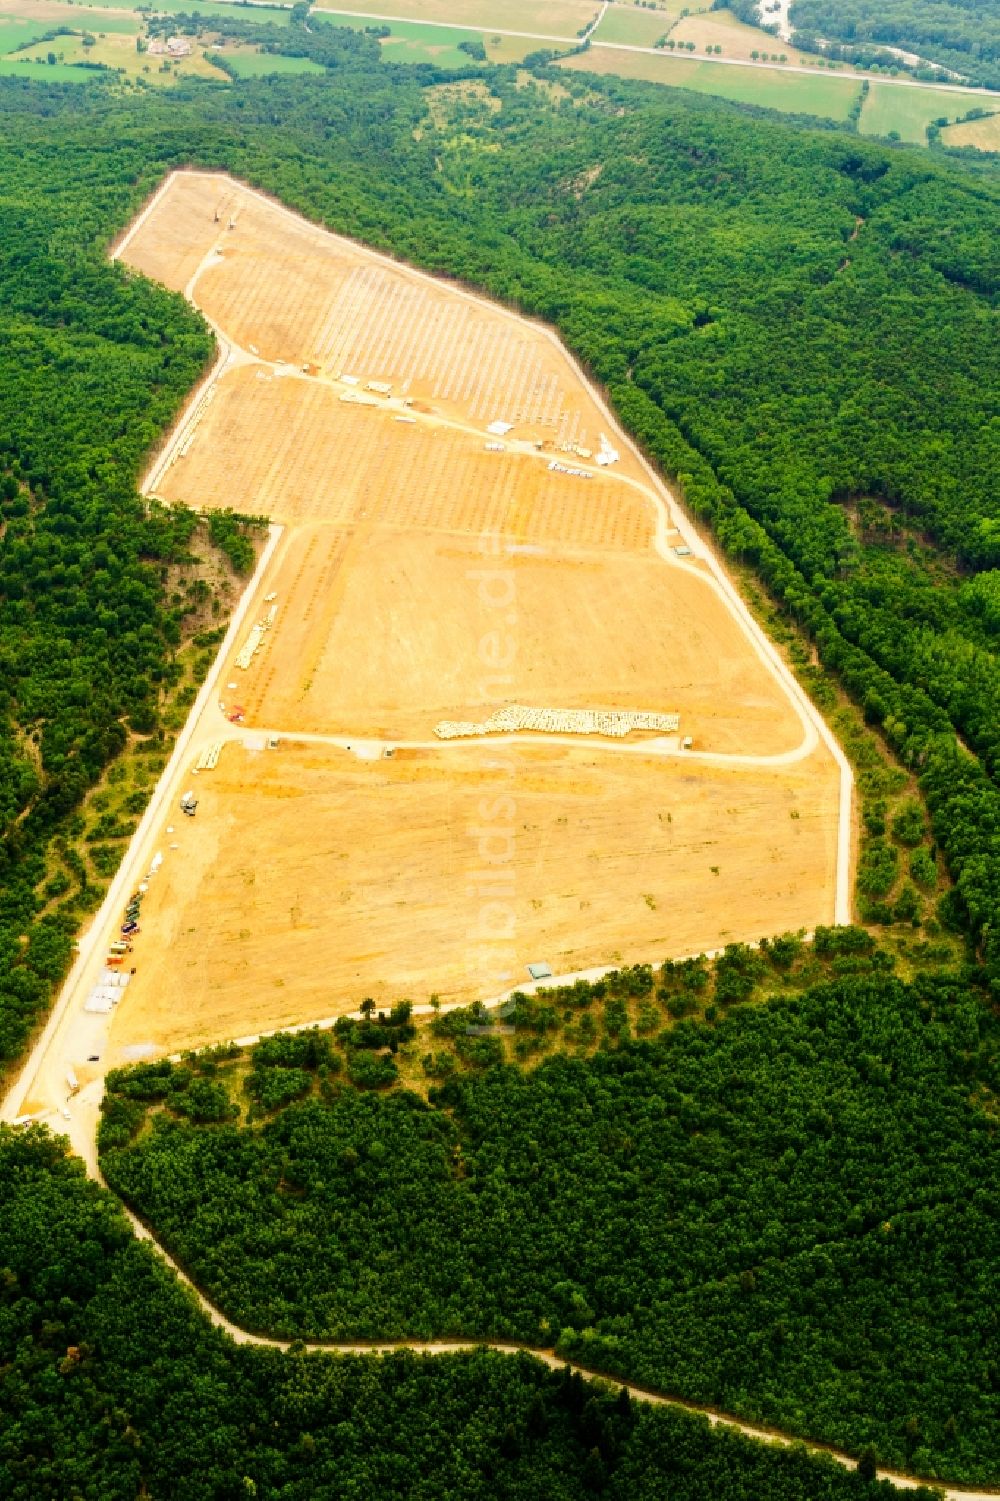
column 552, row 18
column 983, row 134
column 772, row 88
column 15, row 32
column 39, row 16
column 246, row 63
column 721, row 28
column 271, row 15
column 417, row 42
column 907, row 110
column 44, row 72
column 412, row 42
column 117, row 51
column 634, row 26
column 430, row 571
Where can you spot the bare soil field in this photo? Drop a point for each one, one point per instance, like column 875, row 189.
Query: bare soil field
column 427, row 572
column 346, row 311
column 311, row 879
column 358, row 651
column 292, row 448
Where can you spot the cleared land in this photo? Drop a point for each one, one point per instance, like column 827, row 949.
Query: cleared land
column 429, row 571
column 770, row 87
column 558, row 18
column 314, row 457
column 983, row 134
column 358, row 651
column 311, row 879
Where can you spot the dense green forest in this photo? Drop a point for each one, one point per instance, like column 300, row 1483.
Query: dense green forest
column 786, row 1211
column 962, row 35
column 790, row 1215
column 113, row 1385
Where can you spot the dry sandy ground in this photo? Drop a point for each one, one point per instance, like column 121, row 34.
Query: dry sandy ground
column 311, row 879
column 297, row 293
column 294, row 445
column 357, row 650
column 422, row 577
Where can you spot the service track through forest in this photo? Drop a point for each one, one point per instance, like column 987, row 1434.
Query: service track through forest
column 548, row 1357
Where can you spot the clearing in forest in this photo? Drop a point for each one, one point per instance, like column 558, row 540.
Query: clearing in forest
column 431, row 569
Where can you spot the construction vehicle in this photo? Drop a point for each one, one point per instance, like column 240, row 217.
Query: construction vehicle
column 189, row 804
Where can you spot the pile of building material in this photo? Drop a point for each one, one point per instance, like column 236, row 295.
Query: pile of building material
column 616, row 723
column 209, row 758
column 255, row 640
column 558, row 468
column 106, row 993
column 250, row 647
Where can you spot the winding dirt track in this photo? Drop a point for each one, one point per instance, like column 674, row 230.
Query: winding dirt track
column 548, row 1357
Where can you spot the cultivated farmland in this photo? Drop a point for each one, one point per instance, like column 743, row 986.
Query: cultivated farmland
column 771, row 88
column 634, row 26
column 983, row 134
column 430, row 569
column 907, row 110
column 554, row 18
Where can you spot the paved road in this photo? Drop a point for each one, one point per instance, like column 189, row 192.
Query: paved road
column 370, row 15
